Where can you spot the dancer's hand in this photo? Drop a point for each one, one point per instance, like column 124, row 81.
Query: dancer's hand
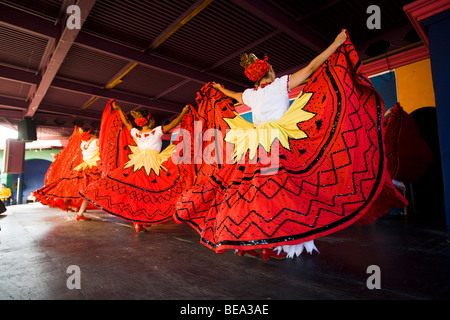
column 341, row 37
column 115, row 106
column 217, row 86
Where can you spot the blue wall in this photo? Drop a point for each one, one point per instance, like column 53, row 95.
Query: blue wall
column 386, row 85
column 34, row 174
column 36, row 165
column 438, row 35
column 33, row 177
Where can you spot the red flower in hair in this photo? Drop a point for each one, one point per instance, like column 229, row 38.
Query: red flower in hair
column 257, row 70
column 141, row 121
column 85, row 136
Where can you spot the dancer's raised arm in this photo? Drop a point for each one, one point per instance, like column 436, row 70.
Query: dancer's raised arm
column 176, row 121
column 231, row 94
column 298, row 77
column 124, row 119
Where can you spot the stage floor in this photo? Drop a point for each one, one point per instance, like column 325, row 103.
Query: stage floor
column 38, row 244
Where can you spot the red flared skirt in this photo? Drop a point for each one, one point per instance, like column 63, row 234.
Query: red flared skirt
column 138, row 197
column 324, row 182
column 64, row 192
column 136, row 194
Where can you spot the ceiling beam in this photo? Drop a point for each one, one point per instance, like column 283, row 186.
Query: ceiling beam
column 62, row 47
column 17, row 104
column 223, row 60
column 18, row 75
column 89, row 90
column 115, row 80
column 8, row 123
column 45, row 28
column 11, row 114
column 70, row 112
column 27, row 22
column 16, row 108
column 187, row 16
column 419, row 10
column 281, row 21
column 151, row 103
column 152, row 61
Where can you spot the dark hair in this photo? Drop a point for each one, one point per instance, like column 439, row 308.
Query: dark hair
column 94, row 131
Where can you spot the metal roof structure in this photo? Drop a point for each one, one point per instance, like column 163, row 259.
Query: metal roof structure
column 158, row 54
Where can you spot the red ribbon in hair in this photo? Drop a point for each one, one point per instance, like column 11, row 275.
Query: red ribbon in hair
column 257, row 69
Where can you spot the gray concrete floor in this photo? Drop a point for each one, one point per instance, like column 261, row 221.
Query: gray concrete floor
column 38, row 244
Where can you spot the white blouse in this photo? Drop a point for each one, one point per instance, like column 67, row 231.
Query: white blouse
column 148, row 140
column 268, row 103
column 89, row 149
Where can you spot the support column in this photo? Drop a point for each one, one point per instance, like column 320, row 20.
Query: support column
column 438, row 28
column 431, row 20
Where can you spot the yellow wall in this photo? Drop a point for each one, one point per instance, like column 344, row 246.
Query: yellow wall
column 415, row 86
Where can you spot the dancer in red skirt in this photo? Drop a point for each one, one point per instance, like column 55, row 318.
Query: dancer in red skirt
column 299, row 172
column 145, row 188
column 73, row 169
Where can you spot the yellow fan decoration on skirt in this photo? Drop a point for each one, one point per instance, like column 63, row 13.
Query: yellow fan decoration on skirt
column 148, row 159
column 89, row 163
column 246, row 137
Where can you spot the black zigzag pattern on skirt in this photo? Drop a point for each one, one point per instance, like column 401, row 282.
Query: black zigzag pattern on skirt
column 350, row 141
column 141, row 205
